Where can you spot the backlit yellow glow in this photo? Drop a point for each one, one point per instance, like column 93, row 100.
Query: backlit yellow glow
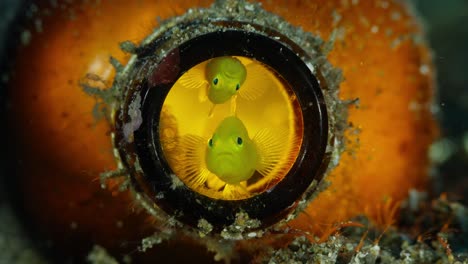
column 272, row 118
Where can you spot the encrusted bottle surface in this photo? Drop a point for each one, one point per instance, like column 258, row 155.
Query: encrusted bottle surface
column 343, row 101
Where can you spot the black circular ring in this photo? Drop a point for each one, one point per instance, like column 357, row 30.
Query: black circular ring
column 189, row 206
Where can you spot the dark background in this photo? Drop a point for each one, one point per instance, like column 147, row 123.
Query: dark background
column 446, row 23
column 447, row 27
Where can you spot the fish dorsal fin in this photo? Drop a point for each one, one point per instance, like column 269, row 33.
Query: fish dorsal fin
column 256, row 83
column 270, row 146
column 195, row 79
column 193, row 164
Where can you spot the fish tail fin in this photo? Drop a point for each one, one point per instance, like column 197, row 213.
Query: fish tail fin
column 270, row 145
column 256, row 83
column 192, row 166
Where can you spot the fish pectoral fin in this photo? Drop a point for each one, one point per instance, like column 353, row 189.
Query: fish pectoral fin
column 193, row 167
column 257, row 82
column 271, row 145
column 194, row 79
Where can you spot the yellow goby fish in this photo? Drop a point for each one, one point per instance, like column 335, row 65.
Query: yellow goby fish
column 231, row 155
column 223, row 78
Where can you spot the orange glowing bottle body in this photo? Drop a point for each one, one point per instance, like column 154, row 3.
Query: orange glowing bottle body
column 62, row 148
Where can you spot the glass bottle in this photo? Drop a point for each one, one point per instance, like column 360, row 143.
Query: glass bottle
column 62, row 141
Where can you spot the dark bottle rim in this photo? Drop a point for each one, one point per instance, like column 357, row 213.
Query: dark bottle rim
column 144, row 158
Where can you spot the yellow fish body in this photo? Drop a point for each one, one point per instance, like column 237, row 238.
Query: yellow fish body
column 230, row 157
column 231, row 154
column 223, row 78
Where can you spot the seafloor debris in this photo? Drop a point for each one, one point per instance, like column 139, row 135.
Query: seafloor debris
column 431, row 232
column 436, row 232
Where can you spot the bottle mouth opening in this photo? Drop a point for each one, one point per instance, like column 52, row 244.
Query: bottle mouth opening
column 287, row 124
column 216, row 157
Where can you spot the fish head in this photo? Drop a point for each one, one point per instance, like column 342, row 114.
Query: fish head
column 225, row 76
column 231, row 155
